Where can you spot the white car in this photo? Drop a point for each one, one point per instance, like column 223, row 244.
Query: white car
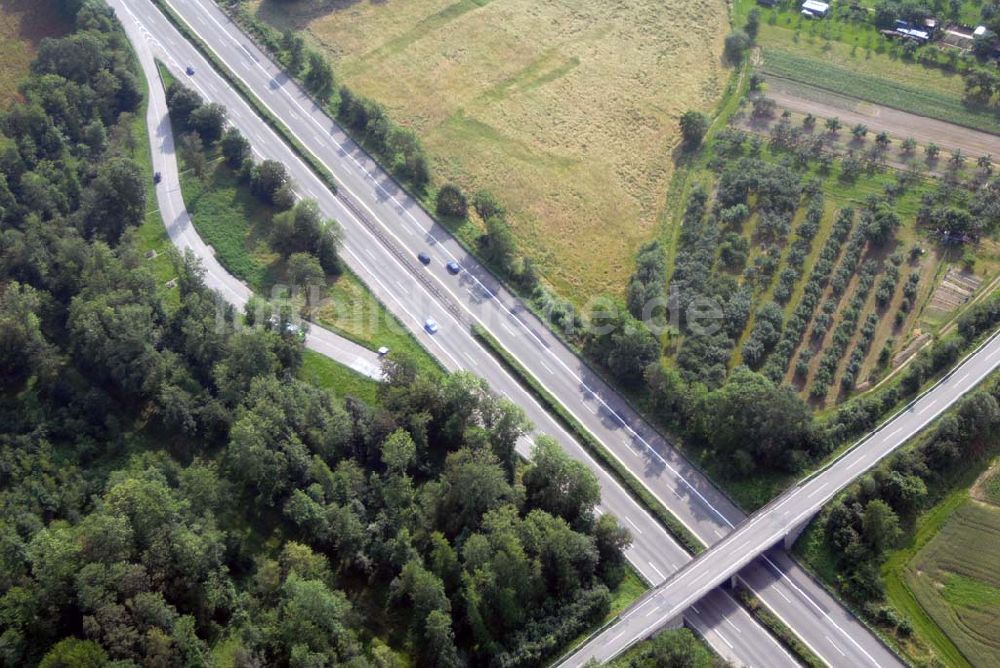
column 431, row 325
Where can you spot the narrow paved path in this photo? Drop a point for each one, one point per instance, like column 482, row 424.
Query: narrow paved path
column 183, row 234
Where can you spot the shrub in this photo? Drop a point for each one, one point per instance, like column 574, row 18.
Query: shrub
column 451, row 202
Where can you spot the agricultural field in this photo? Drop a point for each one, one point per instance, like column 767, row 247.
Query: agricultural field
column 23, row 24
column 827, row 268
column 845, row 53
column 956, row 579
column 565, row 110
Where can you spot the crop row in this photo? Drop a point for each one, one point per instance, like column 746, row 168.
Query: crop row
column 799, row 321
column 844, row 331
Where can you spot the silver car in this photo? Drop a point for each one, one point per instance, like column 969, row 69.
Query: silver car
column 431, row 325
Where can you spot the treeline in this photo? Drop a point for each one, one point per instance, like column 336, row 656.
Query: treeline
column 309, row 243
column 879, row 510
column 398, row 149
column 167, row 485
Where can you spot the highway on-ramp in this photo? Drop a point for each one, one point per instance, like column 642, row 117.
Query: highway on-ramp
column 725, row 625
column 184, row 236
column 786, row 513
column 824, row 625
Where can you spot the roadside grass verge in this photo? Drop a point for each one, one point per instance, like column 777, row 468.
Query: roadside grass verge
column 923, row 101
column 324, row 373
column 352, row 311
column 642, row 495
column 151, row 236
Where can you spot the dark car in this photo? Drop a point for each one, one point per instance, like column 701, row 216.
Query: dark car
column 189, row 70
column 424, row 257
column 157, row 178
column 453, row 267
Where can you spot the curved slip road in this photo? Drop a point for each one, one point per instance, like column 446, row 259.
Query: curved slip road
column 824, row 625
column 392, row 278
column 183, row 234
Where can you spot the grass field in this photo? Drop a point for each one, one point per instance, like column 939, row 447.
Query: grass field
column 566, row 110
column 23, row 24
column 925, row 101
column 955, row 578
column 321, row 371
column 231, row 220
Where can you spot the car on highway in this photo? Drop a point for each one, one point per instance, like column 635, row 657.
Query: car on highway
column 424, row 257
column 189, row 70
column 157, row 177
column 431, row 325
column 453, row 267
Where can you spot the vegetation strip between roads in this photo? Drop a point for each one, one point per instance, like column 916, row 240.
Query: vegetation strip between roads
column 670, row 522
column 247, row 95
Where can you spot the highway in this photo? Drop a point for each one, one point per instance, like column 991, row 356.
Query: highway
column 724, row 624
column 786, row 513
column 184, row 236
column 824, row 625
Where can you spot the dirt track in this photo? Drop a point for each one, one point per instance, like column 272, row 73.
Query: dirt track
column 805, row 99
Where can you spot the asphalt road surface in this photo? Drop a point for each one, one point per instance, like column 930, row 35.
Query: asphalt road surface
column 724, row 624
column 184, row 236
column 786, row 513
column 476, row 296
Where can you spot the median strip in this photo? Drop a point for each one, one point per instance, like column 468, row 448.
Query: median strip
column 636, row 489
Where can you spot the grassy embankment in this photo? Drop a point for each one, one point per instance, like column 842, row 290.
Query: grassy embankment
column 567, row 113
column 236, row 224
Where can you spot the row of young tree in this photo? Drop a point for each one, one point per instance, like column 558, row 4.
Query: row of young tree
column 168, row 485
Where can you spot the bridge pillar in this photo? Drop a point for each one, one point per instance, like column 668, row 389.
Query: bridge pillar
column 675, row 623
column 794, row 533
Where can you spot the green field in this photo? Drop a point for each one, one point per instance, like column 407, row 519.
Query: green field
column 23, row 24
column 563, row 109
column 927, row 101
column 845, row 53
column 321, row 371
column 956, row 580
column 233, row 222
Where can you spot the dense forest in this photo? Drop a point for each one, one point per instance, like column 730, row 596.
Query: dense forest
column 171, row 495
